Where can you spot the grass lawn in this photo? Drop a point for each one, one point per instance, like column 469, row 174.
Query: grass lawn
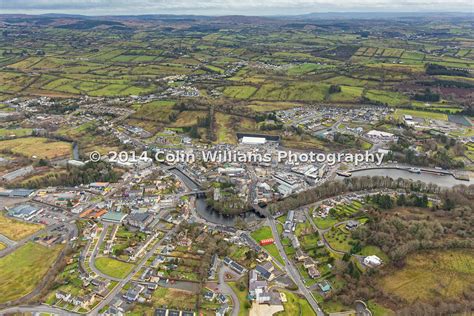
column 273, row 250
column 263, row 232
column 374, row 250
column 172, row 298
column 296, row 305
column 324, row 223
column 431, row 275
column 242, row 296
column 338, row 239
column 36, row 146
column 15, row 229
column 113, row 267
column 2, row 246
column 23, row 269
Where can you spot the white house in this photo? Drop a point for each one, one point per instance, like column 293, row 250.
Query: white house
column 372, row 261
column 380, row 135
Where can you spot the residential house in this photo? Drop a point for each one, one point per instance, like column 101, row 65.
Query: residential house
column 314, row 272
column 300, row 255
column 308, row 262
column 258, row 290
column 352, row 224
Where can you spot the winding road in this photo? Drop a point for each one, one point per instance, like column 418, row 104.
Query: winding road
column 227, row 290
column 137, row 268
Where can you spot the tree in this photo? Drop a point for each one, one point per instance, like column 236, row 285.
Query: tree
column 334, row 89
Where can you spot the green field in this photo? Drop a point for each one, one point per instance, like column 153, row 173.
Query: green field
column 422, row 114
column 299, row 91
column 387, row 97
column 155, row 111
column 428, row 276
column 347, row 94
column 17, row 132
column 113, row 267
column 23, row 269
column 36, row 146
column 239, row 92
column 171, row 298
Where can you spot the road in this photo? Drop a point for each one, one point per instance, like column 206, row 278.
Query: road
column 94, row 255
column 35, row 309
column 17, row 244
column 321, row 232
column 227, row 290
column 137, row 268
column 292, row 270
column 7, row 241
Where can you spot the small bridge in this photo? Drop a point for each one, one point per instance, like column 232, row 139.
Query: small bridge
column 197, row 193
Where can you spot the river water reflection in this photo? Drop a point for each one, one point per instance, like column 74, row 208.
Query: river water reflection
column 445, row 181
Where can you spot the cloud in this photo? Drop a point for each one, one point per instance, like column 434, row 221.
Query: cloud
column 249, row 7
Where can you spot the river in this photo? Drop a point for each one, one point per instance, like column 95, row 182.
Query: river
column 75, row 151
column 207, row 213
column 212, row 216
column 445, row 181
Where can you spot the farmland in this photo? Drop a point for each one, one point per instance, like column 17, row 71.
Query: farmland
column 430, row 275
column 15, row 229
column 36, row 146
column 23, row 269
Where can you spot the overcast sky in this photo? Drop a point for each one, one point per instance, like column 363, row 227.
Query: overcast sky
column 221, row 7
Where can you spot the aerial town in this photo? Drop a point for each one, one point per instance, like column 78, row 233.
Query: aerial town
column 187, row 165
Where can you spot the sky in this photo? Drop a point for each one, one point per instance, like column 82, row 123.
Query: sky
column 225, row 7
